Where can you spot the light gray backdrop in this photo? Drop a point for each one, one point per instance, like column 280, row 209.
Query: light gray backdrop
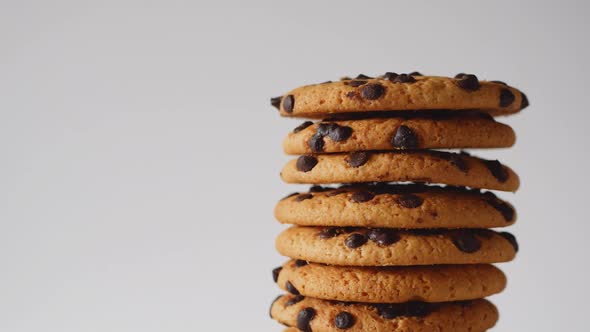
column 139, row 156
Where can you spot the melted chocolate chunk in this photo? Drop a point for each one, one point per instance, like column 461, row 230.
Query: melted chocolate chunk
column 300, row 263
column 510, row 239
column 288, row 103
column 383, row 236
column 357, row 158
column 389, row 311
column 404, row 78
column 405, row 138
column 361, row 196
column 506, row 98
column 302, row 126
column 499, row 82
column 363, row 77
column 525, row 101
column 409, row 201
column 276, row 272
column 288, row 196
column 466, row 241
column 497, row 170
column 504, row 208
column 415, row 73
column 340, row 133
column 372, row 91
column 357, row 83
column 276, row 102
column 318, row 189
column 325, row 128
column 316, row 143
column 417, row 309
column 355, row 240
column 306, row 163
column 303, row 197
column 294, row 300
column 291, row 289
column 468, row 82
column 390, row 76
column 328, row 233
column 304, row 317
column 344, row 320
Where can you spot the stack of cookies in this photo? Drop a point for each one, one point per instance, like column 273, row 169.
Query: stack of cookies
column 394, row 234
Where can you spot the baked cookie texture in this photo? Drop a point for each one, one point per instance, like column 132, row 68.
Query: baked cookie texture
column 417, row 166
column 396, row 133
column 396, row 206
column 331, row 316
column 442, row 283
column 392, row 93
column 389, row 247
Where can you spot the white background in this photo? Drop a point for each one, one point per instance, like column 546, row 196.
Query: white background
column 139, row 156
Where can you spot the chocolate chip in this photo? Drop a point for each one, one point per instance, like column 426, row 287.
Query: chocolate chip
column 390, row 76
column 344, row 320
column 328, row 233
column 294, row 300
column 460, row 75
column 499, row 82
column 306, row 163
column 289, row 103
column 325, row 128
column 340, row 133
column 355, row 240
column 361, row 196
column 300, row 263
column 351, row 94
column 466, row 241
column 415, row 73
column 302, row 126
column 510, row 239
column 304, row 317
column 356, row 83
column 357, row 158
column 416, row 309
column 383, row 237
column 468, row 82
column 363, row 77
column 389, row 311
column 506, row 98
column 404, row 78
column 497, row 170
column 455, row 159
column 404, row 138
column 276, row 102
column 288, row 196
column 291, row 289
column 316, row 143
column 275, row 273
column 504, row 208
column 318, row 189
column 303, row 197
column 525, row 101
column 372, row 91
column 409, row 201
column 484, row 233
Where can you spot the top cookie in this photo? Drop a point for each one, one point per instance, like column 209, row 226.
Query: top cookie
column 393, row 92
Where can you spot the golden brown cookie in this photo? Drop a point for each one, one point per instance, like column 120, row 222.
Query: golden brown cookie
column 418, row 166
column 390, row 247
column 309, row 314
column 392, row 92
column 410, row 132
column 396, row 206
column 441, row 283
